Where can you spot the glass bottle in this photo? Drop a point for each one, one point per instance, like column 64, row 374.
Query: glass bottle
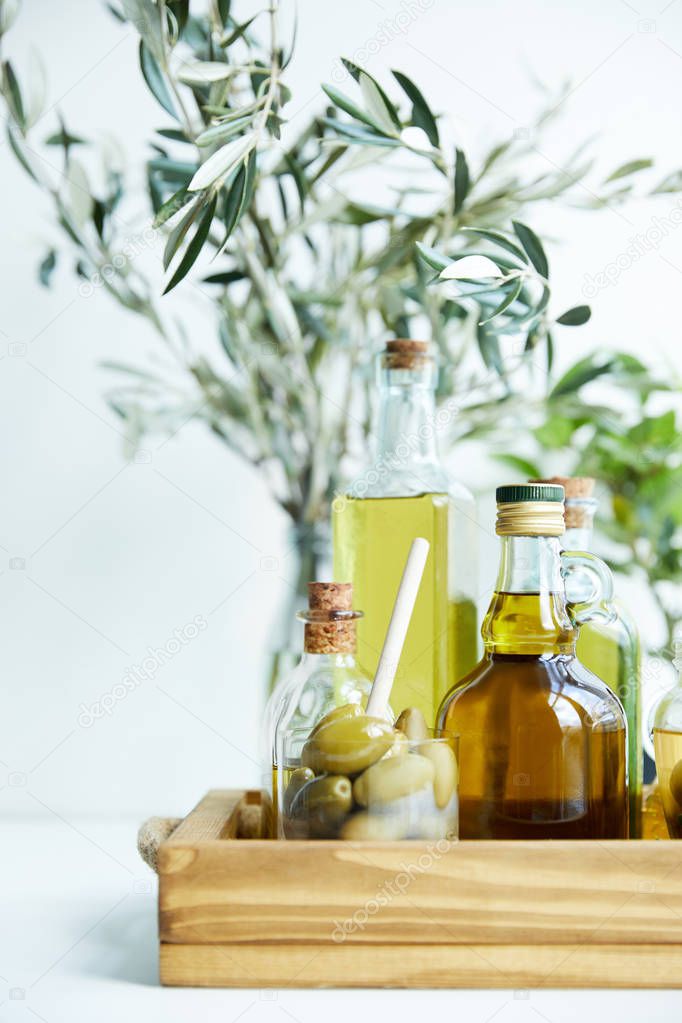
column 542, row 739
column 667, row 736
column 610, row 649
column 326, row 676
column 405, row 492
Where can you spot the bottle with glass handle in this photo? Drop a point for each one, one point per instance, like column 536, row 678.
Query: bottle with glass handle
column 611, row 649
column 542, row 739
column 667, row 738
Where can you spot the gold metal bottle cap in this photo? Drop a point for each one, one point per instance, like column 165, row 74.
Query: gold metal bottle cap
column 530, row 509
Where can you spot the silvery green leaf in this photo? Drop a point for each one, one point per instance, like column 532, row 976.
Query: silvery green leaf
column 498, row 238
column 342, row 101
column 8, row 12
column 421, row 112
column 631, row 167
column 79, row 200
column 12, row 93
column 238, row 32
column 506, row 302
column 153, row 76
column 17, row 148
column 434, row 260
column 37, row 89
column 462, row 180
column 671, row 183
column 378, row 107
column 204, row 72
column 238, row 198
column 471, row 268
column 361, row 135
column 222, row 132
column 145, row 15
column 172, row 206
column 222, row 162
column 174, row 239
column 46, row 268
column 532, row 246
column 194, row 247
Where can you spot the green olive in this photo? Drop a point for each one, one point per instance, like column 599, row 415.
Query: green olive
column 676, row 782
column 393, row 778
column 348, row 745
column 346, row 710
column 445, row 770
column 374, row 827
column 413, row 723
column 296, row 782
column 399, row 746
column 322, row 804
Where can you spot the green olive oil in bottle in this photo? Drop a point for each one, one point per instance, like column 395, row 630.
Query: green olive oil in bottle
column 404, row 493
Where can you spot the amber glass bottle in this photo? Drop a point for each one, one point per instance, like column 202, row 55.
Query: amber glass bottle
column 542, row 739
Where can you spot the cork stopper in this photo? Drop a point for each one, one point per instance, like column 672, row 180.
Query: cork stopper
column 580, row 502
column 330, row 596
column 330, row 620
column 403, row 353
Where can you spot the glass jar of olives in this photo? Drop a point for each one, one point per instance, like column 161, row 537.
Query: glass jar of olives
column 326, row 677
column 358, row 778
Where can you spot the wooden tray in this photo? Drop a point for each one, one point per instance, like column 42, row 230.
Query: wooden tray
column 259, row 913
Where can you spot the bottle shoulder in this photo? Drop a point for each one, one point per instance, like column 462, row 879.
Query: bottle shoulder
column 556, row 686
column 309, row 692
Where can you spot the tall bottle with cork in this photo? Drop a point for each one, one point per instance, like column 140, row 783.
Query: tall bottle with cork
column 406, row 492
column 611, row 649
column 542, row 739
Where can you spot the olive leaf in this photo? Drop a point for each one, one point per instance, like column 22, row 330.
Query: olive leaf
column 194, row 247
column 145, row 15
column 421, row 113
column 46, row 268
column 222, row 162
column 532, row 247
column 12, row 94
column 576, row 316
column 462, row 180
column 153, row 76
column 626, row 169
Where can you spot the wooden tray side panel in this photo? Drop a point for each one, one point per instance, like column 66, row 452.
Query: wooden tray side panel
column 413, row 966
column 475, row 893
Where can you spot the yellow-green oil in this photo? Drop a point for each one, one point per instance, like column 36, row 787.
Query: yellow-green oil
column 372, row 537
column 612, row 652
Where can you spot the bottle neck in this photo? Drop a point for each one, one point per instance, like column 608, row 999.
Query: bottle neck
column 406, row 453
column 527, row 614
column 317, row 662
column 579, row 538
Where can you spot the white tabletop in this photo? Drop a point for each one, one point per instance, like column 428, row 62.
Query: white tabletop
column 78, row 941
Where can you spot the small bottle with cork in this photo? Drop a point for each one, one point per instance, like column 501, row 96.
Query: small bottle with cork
column 327, row 675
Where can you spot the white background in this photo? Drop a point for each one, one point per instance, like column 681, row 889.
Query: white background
column 118, row 555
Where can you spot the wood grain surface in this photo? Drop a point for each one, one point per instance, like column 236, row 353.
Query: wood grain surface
column 421, row 966
column 412, row 914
